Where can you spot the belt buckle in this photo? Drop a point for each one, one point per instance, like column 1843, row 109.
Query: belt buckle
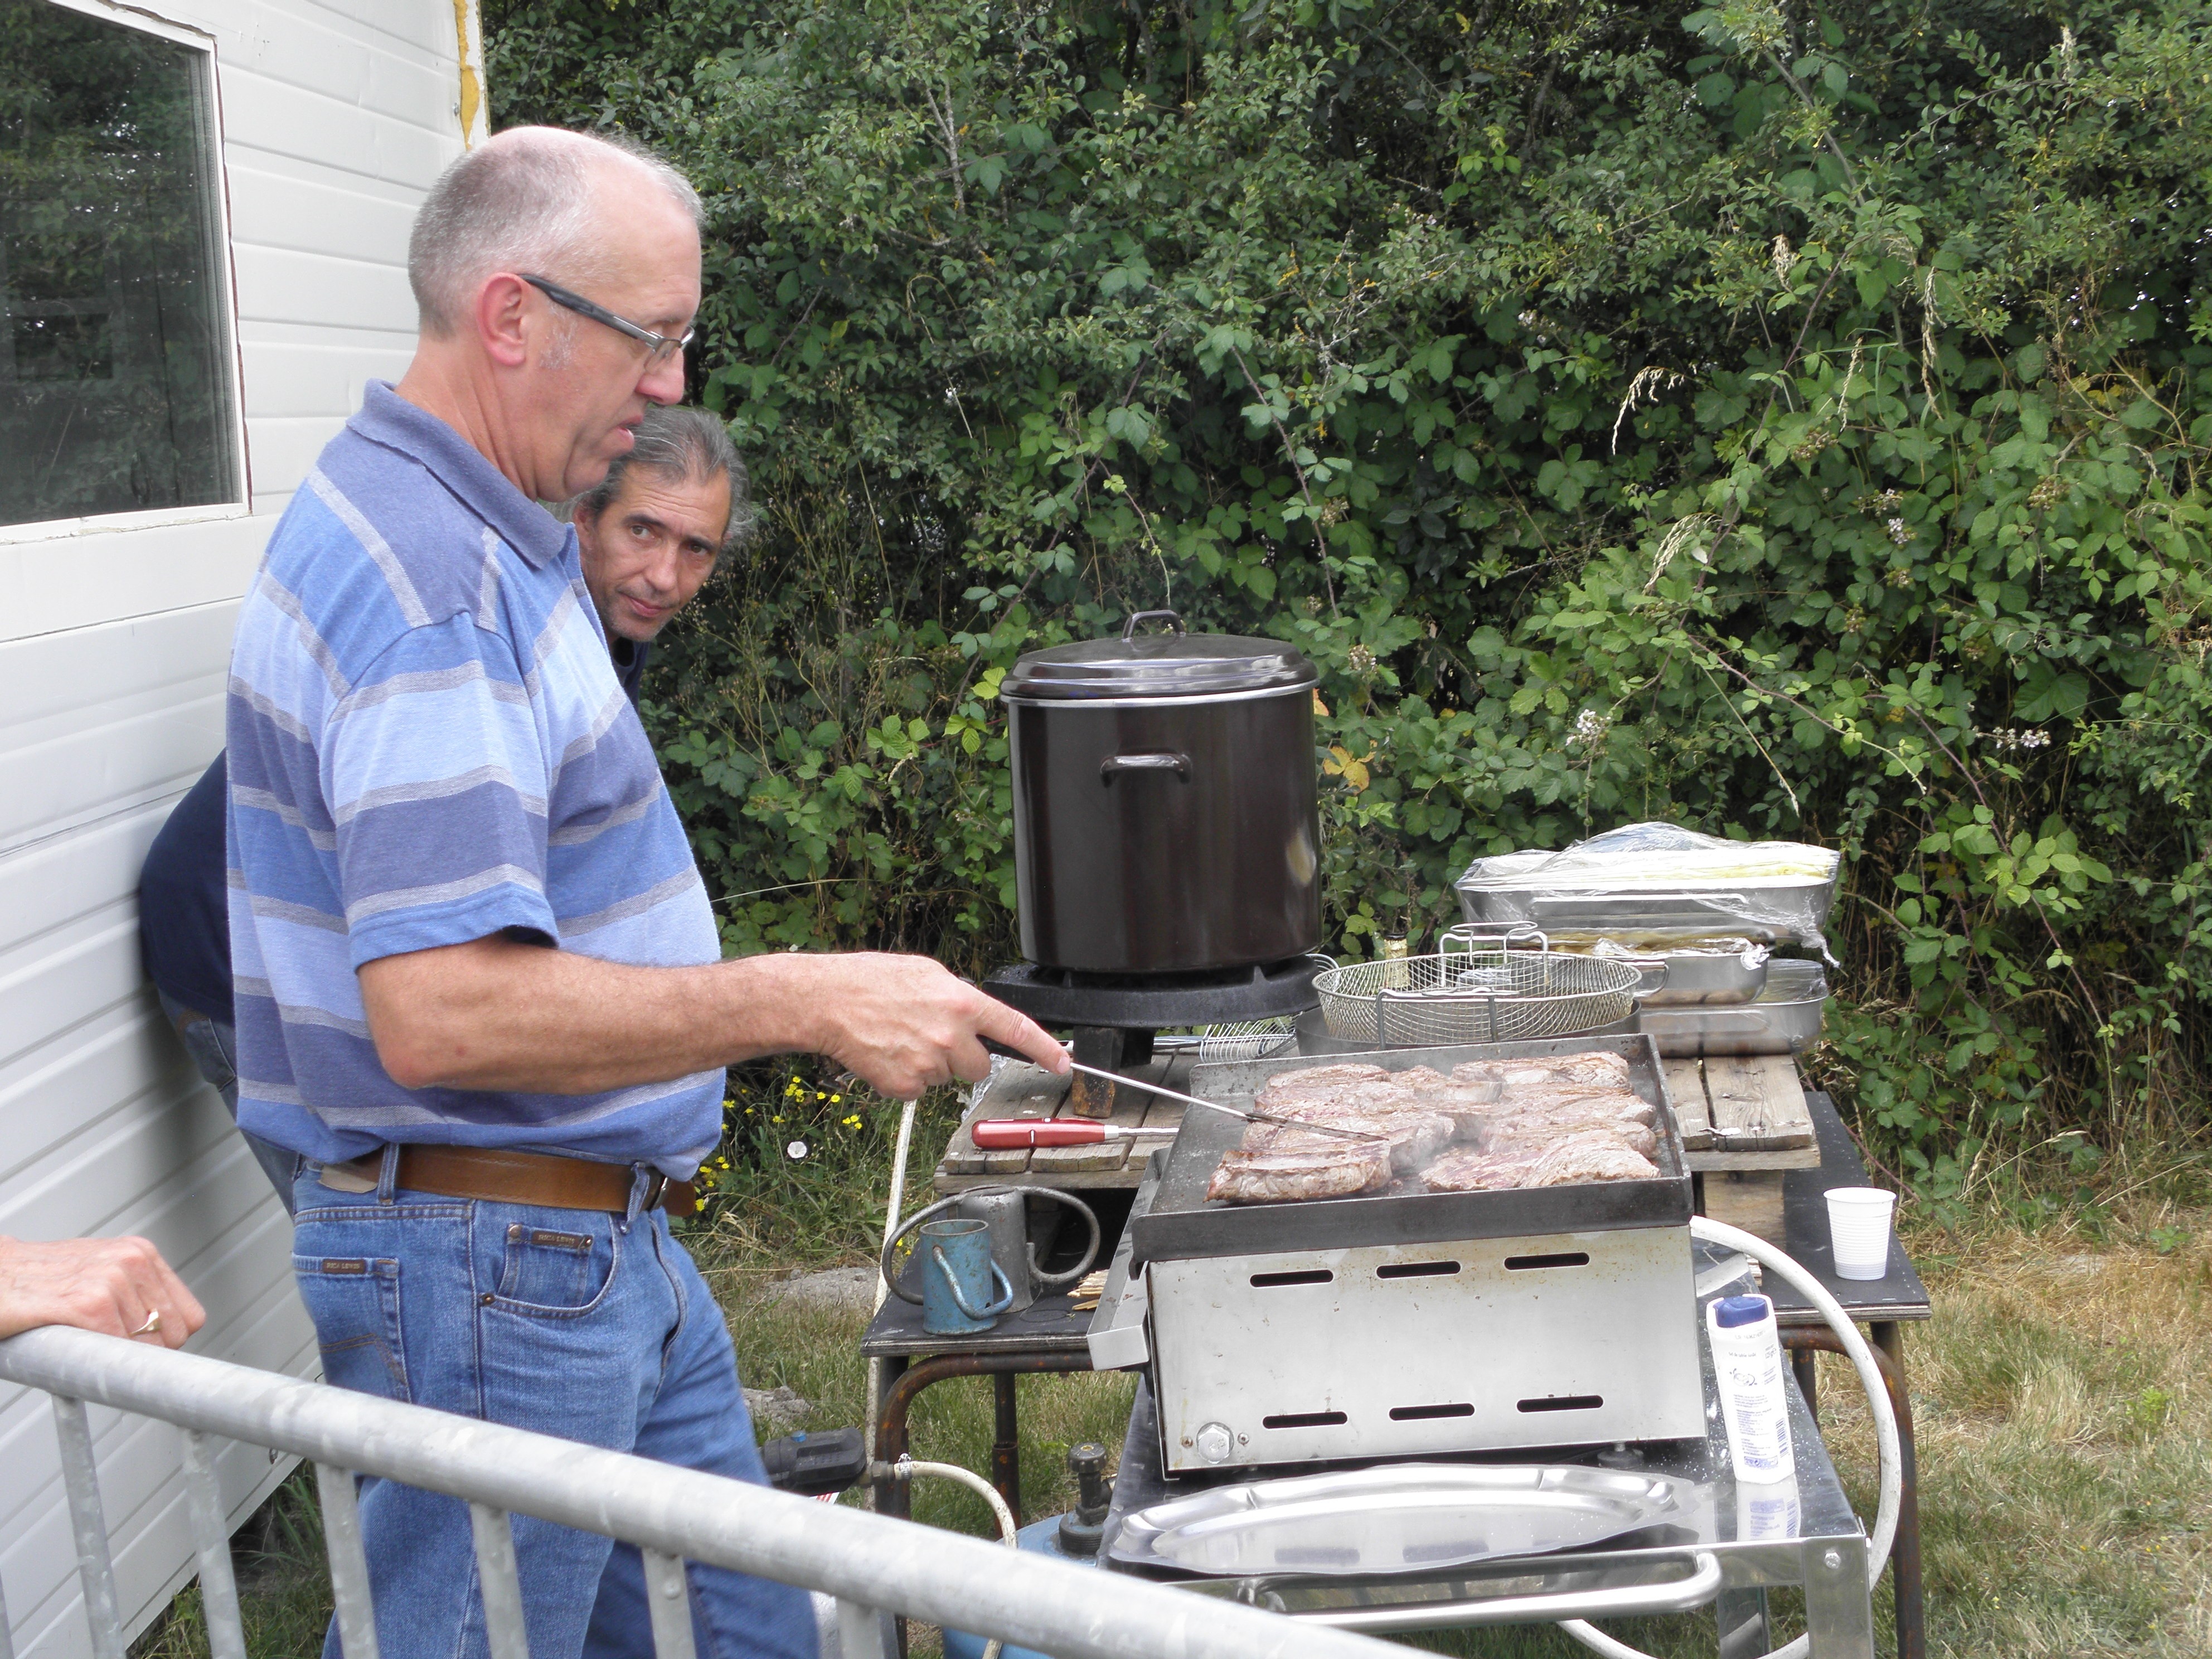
column 656, row 1188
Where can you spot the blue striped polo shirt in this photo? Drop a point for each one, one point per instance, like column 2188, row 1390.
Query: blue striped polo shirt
column 428, row 745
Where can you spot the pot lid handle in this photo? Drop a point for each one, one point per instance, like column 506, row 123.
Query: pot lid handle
column 1129, row 628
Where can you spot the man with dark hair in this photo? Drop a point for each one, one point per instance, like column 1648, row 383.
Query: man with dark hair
column 649, row 534
column 479, row 987
column 652, row 531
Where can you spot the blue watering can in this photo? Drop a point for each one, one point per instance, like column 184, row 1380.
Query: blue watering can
column 956, row 1275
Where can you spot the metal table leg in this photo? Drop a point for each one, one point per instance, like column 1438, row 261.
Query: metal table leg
column 1912, row 1610
column 891, row 1497
column 1838, row 1614
column 1905, row 1555
column 1006, row 1447
column 1745, row 1631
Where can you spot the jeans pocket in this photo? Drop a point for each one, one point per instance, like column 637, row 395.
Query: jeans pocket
column 549, row 1271
column 355, row 1303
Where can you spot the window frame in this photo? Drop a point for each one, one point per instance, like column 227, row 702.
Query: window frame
column 224, row 279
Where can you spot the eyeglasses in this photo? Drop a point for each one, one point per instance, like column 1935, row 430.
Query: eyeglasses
column 659, row 347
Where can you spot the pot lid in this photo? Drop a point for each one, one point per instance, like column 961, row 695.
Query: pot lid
column 1177, row 665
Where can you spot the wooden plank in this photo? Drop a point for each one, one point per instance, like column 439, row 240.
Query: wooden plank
column 1686, row 1088
column 1758, row 1104
column 1788, row 1158
column 1124, row 1179
column 962, row 1158
column 1788, row 1117
column 1018, row 1089
column 1107, row 1156
column 1021, row 1091
column 1749, row 1198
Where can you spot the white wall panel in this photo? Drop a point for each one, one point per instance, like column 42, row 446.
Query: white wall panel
column 301, row 382
column 272, row 209
column 267, row 114
column 114, row 648
column 280, row 286
column 71, row 582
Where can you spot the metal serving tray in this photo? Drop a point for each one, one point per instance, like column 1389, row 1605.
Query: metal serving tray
column 1783, row 1019
column 1400, row 1518
column 1181, row 1223
column 1684, row 970
column 1710, row 912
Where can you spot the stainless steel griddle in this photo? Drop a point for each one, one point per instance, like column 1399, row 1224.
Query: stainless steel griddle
column 1408, row 1323
column 1182, row 1223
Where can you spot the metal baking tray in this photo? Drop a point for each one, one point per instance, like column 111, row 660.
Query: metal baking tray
column 1399, row 1518
column 1785, row 1019
column 1715, row 912
column 1183, row 1223
column 1681, row 971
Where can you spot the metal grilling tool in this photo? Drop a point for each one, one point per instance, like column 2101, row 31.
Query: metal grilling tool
column 1251, row 1115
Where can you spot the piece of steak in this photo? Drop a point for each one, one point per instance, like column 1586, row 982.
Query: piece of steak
column 1412, row 1138
column 1589, row 1156
column 1315, row 1082
column 1534, row 1131
column 1580, row 1100
column 1344, row 1170
column 1479, row 1080
column 1419, row 1077
column 1463, row 1169
column 1605, row 1071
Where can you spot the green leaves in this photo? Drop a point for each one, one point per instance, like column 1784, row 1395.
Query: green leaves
column 1788, row 423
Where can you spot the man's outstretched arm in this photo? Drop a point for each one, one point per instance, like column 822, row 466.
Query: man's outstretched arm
column 497, row 1014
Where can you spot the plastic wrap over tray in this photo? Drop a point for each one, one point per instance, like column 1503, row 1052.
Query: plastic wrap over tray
column 1661, row 878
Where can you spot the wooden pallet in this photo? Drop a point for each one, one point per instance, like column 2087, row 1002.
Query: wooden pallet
column 1021, row 1091
column 1743, row 1112
column 1745, row 1123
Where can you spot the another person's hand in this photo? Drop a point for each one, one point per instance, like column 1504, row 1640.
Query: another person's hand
column 118, row 1286
column 905, row 1023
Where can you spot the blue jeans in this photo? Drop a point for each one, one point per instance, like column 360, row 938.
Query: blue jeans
column 578, row 1323
column 213, row 1045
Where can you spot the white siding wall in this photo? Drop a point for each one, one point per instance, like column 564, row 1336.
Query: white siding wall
column 113, row 645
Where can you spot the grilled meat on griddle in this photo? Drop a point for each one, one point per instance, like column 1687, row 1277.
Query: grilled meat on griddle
column 1540, row 1122
column 1344, row 1169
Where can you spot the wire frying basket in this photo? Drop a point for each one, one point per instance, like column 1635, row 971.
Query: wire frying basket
column 1476, row 990
column 1245, row 1039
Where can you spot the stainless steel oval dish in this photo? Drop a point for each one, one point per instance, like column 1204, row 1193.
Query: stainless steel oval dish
column 1398, row 1517
column 1687, row 972
column 1164, row 797
column 1785, row 1018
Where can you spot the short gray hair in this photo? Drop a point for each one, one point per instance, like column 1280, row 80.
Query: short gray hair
column 680, row 442
column 521, row 202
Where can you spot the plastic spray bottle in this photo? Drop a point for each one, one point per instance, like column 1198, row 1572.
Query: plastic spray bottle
column 1747, row 1363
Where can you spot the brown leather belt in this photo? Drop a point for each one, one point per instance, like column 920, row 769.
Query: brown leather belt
column 505, row 1177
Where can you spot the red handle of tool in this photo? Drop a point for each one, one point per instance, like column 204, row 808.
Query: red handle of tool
column 999, row 1134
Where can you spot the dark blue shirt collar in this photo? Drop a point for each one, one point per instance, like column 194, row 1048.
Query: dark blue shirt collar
column 389, row 419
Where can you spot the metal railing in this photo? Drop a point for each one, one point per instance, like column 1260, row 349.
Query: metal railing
column 870, row 1565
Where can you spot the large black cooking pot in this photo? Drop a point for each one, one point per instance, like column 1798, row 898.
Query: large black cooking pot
column 1165, row 817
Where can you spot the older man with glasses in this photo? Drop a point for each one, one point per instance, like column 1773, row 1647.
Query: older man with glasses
column 648, row 535
column 478, row 982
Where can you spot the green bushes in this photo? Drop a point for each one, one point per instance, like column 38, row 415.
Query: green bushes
column 1784, row 421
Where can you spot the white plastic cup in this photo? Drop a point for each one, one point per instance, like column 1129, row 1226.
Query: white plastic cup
column 1859, row 1224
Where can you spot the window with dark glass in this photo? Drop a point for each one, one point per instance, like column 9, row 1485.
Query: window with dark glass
column 116, row 367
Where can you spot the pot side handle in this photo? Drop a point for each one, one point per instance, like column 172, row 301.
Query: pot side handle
column 1164, row 760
